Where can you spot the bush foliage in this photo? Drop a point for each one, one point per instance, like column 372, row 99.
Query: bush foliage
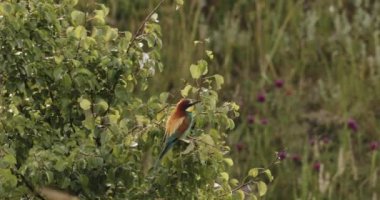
column 74, row 117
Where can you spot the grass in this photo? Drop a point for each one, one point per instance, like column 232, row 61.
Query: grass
column 328, row 55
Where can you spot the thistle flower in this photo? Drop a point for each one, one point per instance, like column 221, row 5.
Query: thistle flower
column 264, row 121
column 251, row 119
column 240, row 146
column 261, row 97
column 374, row 145
column 317, row 166
column 353, row 125
column 281, row 155
column 279, row 83
column 296, row 158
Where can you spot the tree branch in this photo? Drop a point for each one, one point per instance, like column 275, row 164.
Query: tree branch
column 141, row 27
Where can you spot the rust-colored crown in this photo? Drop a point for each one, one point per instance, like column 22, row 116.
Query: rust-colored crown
column 183, row 104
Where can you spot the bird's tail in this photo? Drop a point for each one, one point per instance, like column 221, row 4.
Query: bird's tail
column 168, row 146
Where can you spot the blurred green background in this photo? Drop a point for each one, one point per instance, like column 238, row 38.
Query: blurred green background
column 306, row 75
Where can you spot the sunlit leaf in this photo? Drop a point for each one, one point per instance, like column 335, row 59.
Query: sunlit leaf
column 262, row 188
column 239, row 195
column 199, row 69
column 210, row 54
column 60, row 165
column 78, row 17
column 234, row 182
column 85, row 104
column 229, row 162
column 268, row 173
column 253, row 172
column 225, row 176
column 219, row 81
column 185, row 91
column 189, row 148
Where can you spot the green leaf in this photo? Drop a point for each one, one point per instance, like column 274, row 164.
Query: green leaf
column 225, row 176
column 9, row 159
column 262, row 188
column 60, row 165
column 98, row 20
column 229, row 162
column 89, row 122
column 231, row 124
column 111, row 34
column 88, row 42
column 189, row 148
column 207, row 139
column 85, row 104
column 210, row 54
column 234, row 182
column 70, row 2
column 268, row 173
column 219, row 81
column 58, row 59
column 7, row 178
column 101, row 105
column 83, row 179
column 185, row 91
column 78, row 18
column 95, row 162
column 179, row 2
column 79, row 32
column 199, row 69
column 49, row 176
column 239, row 194
column 5, row 8
column 164, row 97
column 128, row 36
column 253, row 172
column 58, row 73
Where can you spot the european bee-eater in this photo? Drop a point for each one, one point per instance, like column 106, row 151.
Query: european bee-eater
column 178, row 125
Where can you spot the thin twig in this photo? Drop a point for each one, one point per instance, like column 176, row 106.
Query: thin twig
column 241, row 186
column 141, row 27
column 193, row 138
column 162, row 109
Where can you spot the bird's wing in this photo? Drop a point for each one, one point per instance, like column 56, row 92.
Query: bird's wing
column 173, row 124
column 183, row 127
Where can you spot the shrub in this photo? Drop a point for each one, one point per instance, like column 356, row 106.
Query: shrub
column 73, row 116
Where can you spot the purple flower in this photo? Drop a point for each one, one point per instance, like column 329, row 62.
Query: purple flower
column 374, row 145
column 326, row 139
column 317, row 166
column 296, row 158
column 251, row 119
column 240, row 146
column 261, row 97
column 264, row 121
column 353, row 125
column 279, row 83
column 281, row 155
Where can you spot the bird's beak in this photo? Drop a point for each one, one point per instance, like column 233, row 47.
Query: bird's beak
column 193, row 103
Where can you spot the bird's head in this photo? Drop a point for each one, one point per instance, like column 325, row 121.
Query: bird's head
column 184, row 104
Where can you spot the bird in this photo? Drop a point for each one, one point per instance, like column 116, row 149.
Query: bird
column 178, row 125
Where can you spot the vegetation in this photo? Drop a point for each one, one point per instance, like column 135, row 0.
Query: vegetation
column 84, row 112
column 74, row 116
